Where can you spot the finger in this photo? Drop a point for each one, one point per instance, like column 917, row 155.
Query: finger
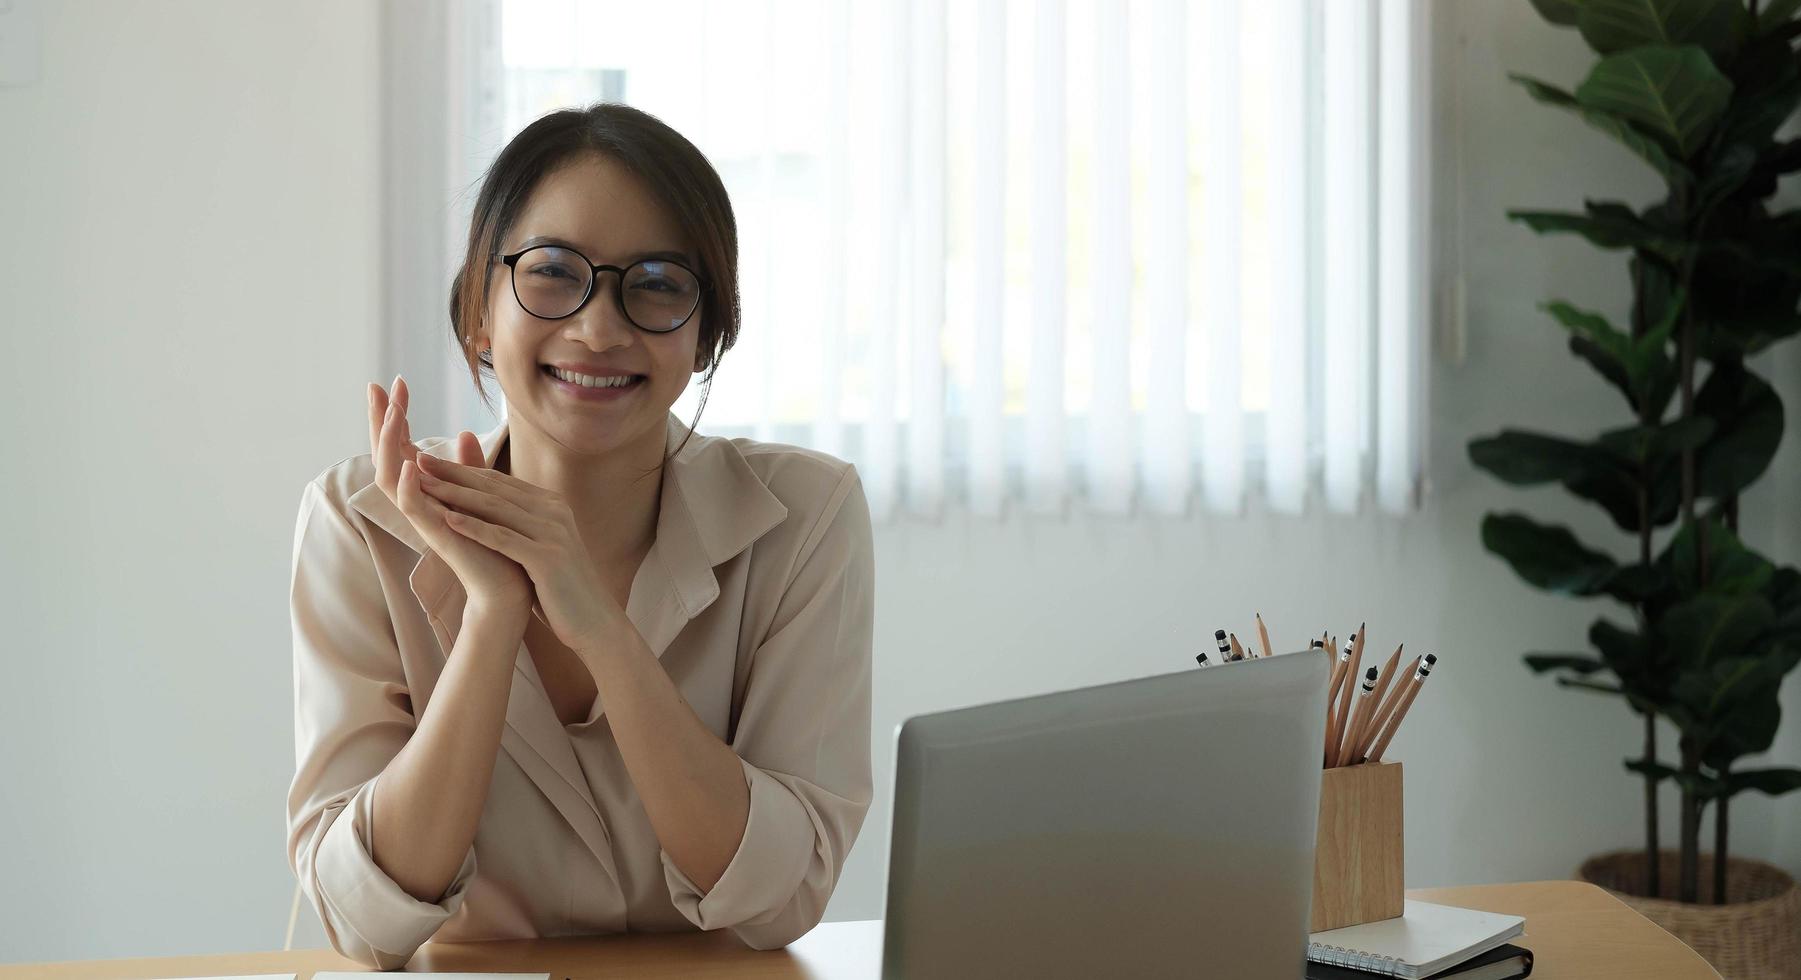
column 387, row 460
column 402, row 399
column 469, row 449
column 414, row 502
column 378, row 406
column 502, row 539
column 492, row 508
column 482, row 478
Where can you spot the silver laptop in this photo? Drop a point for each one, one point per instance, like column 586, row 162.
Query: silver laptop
column 1157, row 827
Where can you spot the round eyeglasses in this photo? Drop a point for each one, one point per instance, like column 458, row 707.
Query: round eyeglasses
column 552, row 282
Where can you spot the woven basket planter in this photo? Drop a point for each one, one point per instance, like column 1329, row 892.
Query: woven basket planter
column 1756, row 935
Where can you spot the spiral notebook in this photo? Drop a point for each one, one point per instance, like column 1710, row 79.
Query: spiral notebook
column 1423, row 940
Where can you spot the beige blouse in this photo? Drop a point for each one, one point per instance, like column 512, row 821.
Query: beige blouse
column 757, row 599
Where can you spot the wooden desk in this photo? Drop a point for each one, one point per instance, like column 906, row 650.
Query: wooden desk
column 1576, row 930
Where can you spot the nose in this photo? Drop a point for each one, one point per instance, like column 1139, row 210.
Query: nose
column 599, row 323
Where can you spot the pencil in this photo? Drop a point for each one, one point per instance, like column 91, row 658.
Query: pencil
column 1365, row 735
column 1360, row 716
column 1350, row 690
column 1387, row 707
column 1337, row 669
column 1394, row 724
column 1237, row 650
column 1263, row 636
column 1338, row 676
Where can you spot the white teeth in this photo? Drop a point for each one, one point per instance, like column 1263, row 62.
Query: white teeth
column 590, row 381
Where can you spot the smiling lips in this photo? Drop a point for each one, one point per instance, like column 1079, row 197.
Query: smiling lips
column 592, row 387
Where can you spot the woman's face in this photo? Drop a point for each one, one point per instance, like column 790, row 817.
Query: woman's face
column 603, row 211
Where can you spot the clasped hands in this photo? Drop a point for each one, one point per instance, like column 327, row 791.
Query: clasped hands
column 504, row 517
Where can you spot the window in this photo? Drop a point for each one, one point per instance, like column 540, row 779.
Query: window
column 1047, row 253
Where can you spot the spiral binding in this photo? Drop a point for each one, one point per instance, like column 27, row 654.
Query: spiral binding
column 1385, row 966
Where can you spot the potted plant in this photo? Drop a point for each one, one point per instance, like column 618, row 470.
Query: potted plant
column 1698, row 90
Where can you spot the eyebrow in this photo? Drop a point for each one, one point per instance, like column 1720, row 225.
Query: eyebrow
column 667, row 256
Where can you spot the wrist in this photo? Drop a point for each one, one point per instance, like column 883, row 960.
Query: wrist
column 613, row 635
column 489, row 613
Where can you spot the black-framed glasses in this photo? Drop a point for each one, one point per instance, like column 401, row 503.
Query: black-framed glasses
column 552, row 282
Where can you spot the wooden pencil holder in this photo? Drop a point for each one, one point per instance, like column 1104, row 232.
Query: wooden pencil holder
column 1358, row 860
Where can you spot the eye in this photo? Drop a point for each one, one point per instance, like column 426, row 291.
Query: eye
column 661, row 284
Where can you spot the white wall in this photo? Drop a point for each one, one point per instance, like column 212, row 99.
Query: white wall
column 145, row 728
column 187, row 272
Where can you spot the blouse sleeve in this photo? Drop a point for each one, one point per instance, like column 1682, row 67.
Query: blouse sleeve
column 802, row 739
column 352, row 715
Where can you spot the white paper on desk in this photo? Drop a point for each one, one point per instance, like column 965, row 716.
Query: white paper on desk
column 245, row 976
column 436, row 976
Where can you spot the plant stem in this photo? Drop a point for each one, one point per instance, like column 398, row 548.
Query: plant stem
column 1689, row 877
column 1689, row 885
column 1653, row 866
column 1719, row 845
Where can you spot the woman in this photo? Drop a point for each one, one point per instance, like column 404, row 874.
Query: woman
column 590, row 672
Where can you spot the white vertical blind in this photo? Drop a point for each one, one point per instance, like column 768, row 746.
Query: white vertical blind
column 986, row 406
column 1046, row 462
column 1401, row 251
column 1284, row 55
column 1222, row 279
column 878, row 456
column 1349, row 272
column 1205, row 292
column 1109, row 463
column 1167, row 458
column 925, row 420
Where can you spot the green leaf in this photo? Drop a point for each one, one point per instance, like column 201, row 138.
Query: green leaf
column 1675, row 92
column 1732, row 568
column 1643, row 443
column 1616, row 25
column 1744, row 715
column 1610, row 225
column 1588, row 685
column 1708, row 628
column 1772, row 781
column 1639, row 583
column 1559, row 12
column 1578, row 662
column 1605, row 363
column 1594, row 326
column 1731, row 168
column 1528, row 458
column 1747, row 416
column 1623, row 651
column 1767, row 101
column 1644, row 145
column 1656, row 770
column 1545, row 556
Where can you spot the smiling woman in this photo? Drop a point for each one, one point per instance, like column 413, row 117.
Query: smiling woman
column 590, row 671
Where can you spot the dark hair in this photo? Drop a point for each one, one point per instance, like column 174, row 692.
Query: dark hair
column 677, row 173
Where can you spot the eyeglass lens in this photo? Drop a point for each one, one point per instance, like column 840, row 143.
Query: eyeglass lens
column 551, row 282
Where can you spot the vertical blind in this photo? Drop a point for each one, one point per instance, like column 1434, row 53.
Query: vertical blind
column 1038, row 255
